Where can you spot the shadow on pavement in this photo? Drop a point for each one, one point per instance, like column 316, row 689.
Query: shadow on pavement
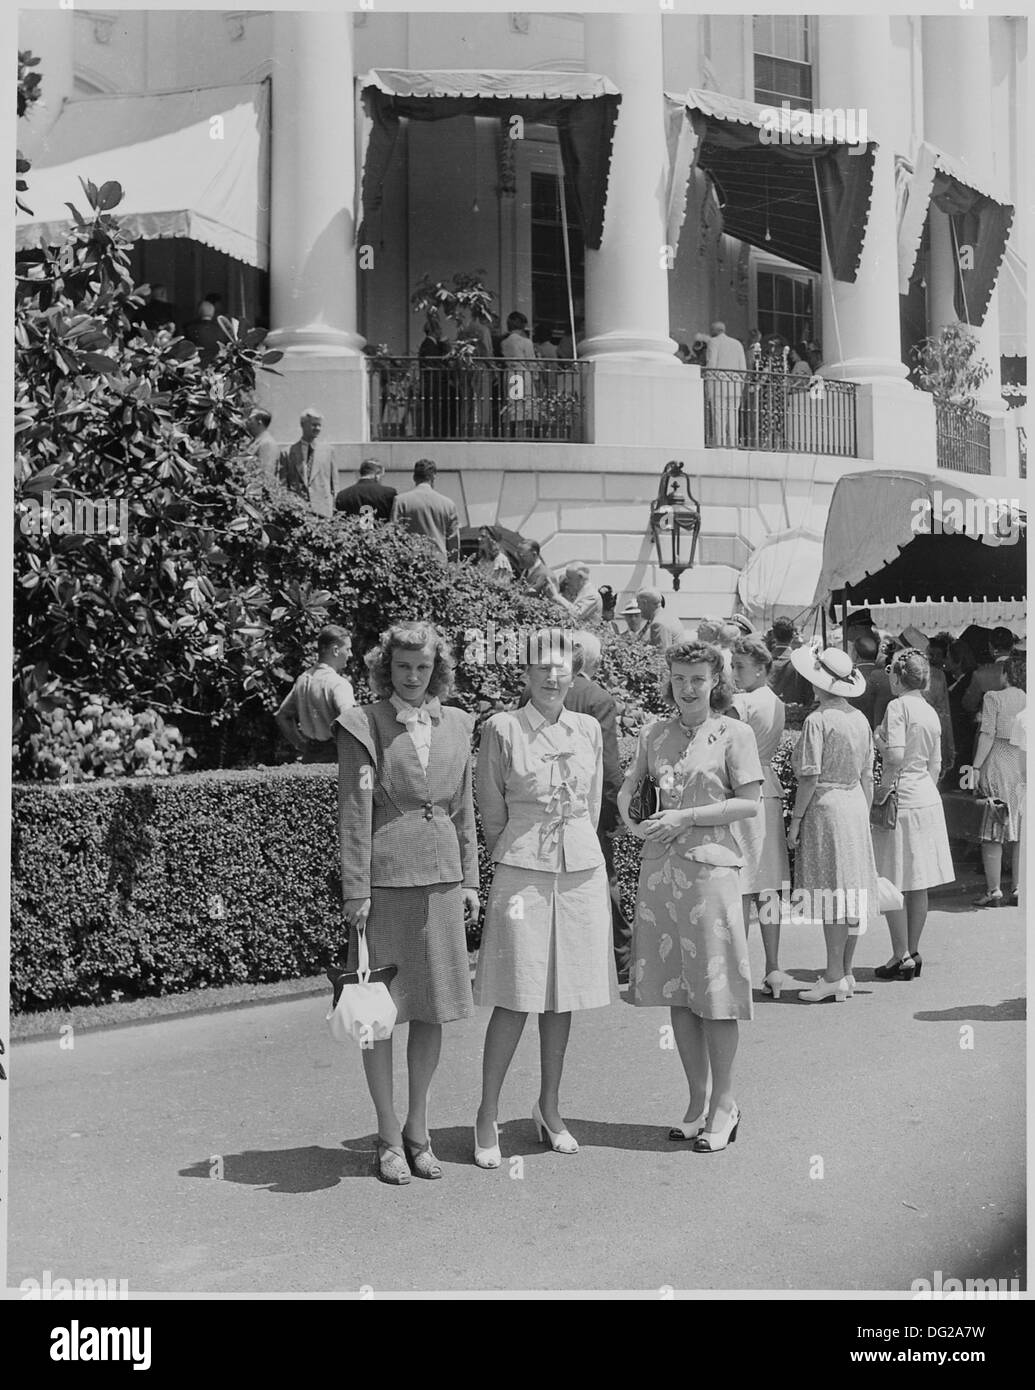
column 308, row 1169
column 1009, row 1011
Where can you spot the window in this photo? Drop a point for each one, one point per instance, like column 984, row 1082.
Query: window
column 783, row 61
column 549, row 277
column 785, row 306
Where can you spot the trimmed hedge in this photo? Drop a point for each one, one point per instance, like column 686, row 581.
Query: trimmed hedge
column 127, row 888
column 131, row 887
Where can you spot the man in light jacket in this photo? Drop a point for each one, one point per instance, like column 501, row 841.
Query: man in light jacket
column 426, row 512
column 724, row 393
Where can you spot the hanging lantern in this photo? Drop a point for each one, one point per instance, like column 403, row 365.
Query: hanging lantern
column 675, row 522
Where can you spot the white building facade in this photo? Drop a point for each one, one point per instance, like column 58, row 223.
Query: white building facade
column 939, row 109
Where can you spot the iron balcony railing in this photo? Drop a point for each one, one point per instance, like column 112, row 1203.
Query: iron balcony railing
column 484, row 398
column 961, row 437
column 779, row 412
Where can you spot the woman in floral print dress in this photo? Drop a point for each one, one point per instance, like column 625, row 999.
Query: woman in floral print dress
column 689, row 938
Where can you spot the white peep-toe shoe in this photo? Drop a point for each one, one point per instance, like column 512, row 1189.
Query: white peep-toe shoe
column 561, row 1142
column 492, row 1156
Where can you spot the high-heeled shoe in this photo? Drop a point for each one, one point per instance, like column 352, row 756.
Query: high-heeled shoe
column 826, row 989
column 904, row 968
column 390, row 1165
column 713, row 1141
column 850, row 981
column 688, row 1129
column 490, row 1157
column 995, row 899
column 562, row 1142
column 422, row 1162
column 918, row 962
column 777, row 980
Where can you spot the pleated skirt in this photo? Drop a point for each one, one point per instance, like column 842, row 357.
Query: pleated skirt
column 546, row 941
column 421, row 932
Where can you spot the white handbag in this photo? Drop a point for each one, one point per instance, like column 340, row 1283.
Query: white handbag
column 889, row 899
column 365, row 1012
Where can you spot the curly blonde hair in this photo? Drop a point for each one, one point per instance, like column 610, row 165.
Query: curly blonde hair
column 411, row 637
column 721, row 698
column 912, row 668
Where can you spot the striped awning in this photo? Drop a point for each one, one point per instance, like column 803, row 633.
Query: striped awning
column 980, row 217
column 178, row 178
column 784, row 180
column 582, row 105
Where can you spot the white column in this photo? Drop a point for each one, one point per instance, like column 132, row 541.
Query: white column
column 627, row 278
column 639, row 391
column 312, row 250
column 958, row 119
column 861, row 335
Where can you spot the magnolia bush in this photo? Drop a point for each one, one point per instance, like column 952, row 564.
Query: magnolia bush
column 102, row 738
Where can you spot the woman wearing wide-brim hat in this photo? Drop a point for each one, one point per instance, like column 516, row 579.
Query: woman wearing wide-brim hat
column 830, row 825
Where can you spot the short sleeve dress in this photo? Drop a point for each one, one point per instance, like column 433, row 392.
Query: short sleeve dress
column 689, row 945
column 834, row 859
column 1001, row 772
column 763, row 838
column 915, row 852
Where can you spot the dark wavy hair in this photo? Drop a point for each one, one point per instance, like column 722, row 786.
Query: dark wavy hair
column 684, row 653
column 756, row 650
column 410, row 637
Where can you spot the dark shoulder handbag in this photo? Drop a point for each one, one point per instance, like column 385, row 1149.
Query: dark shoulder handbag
column 645, row 800
column 884, row 814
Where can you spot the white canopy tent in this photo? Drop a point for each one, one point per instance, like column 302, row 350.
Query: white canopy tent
column 928, row 550
column 779, row 580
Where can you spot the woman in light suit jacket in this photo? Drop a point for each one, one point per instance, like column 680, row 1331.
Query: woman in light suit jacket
column 409, row 868
column 546, row 943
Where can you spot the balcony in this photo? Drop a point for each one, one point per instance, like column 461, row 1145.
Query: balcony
column 779, row 413
column 425, row 398
column 962, row 439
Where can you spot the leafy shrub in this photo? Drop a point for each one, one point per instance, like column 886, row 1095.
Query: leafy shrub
column 108, row 411
column 101, row 738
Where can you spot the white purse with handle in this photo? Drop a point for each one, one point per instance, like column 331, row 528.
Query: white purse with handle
column 364, row 1011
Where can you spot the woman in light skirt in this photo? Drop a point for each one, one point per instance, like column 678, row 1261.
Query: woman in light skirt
column 998, row 765
column 766, row 864
column 546, row 942
column 913, row 854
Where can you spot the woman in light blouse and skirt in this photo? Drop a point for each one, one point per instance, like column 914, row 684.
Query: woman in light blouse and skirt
column 546, row 942
column 409, row 869
column 764, row 838
column 689, row 940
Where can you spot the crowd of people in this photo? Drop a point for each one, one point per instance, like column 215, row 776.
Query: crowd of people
column 701, row 795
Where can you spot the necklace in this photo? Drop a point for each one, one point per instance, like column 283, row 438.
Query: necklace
column 692, row 731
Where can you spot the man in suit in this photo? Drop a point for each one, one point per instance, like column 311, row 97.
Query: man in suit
column 428, row 513
column 264, row 447
column 660, row 628
column 586, row 696
column 369, row 497
column 784, row 681
column 725, row 353
column 307, row 468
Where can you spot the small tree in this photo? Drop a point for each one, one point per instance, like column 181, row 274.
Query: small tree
column 169, row 612
column 949, row 366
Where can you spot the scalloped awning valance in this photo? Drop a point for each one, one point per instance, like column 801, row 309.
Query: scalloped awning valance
column 783, row 179
column 582, row 105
